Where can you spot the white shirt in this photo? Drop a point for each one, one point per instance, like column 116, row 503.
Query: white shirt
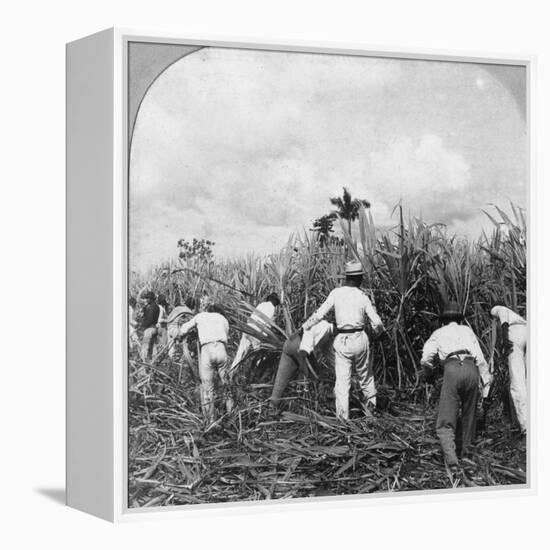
column 315, row 336
column 505, row 315
column 351, row 307
column 211, row 327
column 451, row 338
column 267, row 309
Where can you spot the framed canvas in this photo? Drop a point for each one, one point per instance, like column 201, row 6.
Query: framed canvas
column 297, row 274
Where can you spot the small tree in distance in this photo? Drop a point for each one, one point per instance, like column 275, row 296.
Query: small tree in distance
column 198, row 248
column 323, row 226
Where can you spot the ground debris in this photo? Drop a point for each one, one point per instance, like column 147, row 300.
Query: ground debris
column 252, row 454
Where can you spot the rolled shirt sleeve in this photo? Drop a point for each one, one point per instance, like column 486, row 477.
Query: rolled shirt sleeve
column 430, row 352
column 373, row 316
column 323, row 310
column 186, row 327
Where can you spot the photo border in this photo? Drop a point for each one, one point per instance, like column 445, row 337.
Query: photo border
column 122, row 38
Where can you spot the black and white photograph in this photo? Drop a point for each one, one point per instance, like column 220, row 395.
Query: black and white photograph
column 327, row 274
column 286, row 265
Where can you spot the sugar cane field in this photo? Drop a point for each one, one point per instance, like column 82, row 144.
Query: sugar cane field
column 176, row 457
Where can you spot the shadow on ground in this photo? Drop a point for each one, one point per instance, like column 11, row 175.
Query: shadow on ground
column 56, row 494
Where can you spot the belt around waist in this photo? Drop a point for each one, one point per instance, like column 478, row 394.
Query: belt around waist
column 468, row 359
column 213, row 342
column 349, row 330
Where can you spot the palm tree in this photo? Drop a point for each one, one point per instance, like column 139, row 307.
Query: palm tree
column 348, row 208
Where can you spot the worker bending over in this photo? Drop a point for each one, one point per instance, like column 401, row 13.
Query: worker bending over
column 457, row 349
column 297, row 349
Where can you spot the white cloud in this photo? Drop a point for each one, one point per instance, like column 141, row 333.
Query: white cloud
column 412, row 171
column 243, row 146
column 419, row 167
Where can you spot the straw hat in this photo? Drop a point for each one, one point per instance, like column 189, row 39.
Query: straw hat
column 451, row 311
column 353, row 269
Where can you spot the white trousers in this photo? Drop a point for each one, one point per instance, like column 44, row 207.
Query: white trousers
column 518, row 372
column 245, row 344
column 212, row 361
column 133, row 338
column 171, row 347
column 352, row 355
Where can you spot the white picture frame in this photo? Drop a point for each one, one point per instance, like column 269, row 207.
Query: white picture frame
column 99, row 115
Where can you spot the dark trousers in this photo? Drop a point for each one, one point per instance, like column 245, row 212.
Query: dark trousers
column 460, row 390
column 288, row 366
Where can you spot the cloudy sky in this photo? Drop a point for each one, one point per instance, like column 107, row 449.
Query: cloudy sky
column 243, row 147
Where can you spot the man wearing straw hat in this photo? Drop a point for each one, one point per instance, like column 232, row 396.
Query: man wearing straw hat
column 352, row 308
column 457, row 349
